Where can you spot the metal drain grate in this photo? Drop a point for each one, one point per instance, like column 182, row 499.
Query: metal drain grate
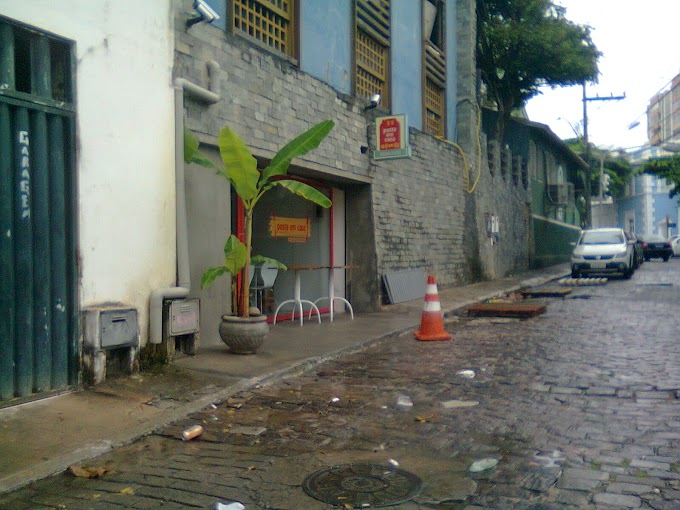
column 362, row 485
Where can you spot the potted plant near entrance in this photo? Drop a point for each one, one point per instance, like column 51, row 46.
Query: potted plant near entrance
column 244, row 331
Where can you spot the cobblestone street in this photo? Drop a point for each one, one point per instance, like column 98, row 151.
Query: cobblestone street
column 579, row 406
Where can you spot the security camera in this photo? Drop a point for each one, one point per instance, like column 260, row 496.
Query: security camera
column 374, row 101
column 206, row 13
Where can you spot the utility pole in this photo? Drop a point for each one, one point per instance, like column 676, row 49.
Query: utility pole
column 589, row 212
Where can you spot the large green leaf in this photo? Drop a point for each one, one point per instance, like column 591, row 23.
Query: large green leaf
column 235, row 254
column 211, row 274
column 191, row 152
column 239, row 163
column 305, row 191
column 301, row 145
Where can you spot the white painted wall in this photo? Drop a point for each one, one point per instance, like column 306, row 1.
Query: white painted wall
column 125, row 142
column 605, row 214
column 648, row 205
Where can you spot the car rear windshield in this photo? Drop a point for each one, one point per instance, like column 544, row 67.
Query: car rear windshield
column 602, row 238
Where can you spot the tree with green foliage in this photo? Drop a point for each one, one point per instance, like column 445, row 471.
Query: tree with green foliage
column 616, row 166
column 667, row 168
column 525, row 44
column 240, row 168
column 619, row 170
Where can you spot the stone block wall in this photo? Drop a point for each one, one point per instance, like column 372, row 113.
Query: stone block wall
column 507, row 196
column 268, row 101
column 429, row 215
column 419, row 210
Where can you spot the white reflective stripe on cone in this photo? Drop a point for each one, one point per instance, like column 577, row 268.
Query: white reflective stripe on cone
column 431, row 289
column 432, row 306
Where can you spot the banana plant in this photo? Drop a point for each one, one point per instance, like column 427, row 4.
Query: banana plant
column 250, row 184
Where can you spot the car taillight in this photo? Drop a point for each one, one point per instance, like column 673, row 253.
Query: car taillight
column 645, row 246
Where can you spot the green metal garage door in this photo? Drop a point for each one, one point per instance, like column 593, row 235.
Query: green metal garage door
column 38, row 308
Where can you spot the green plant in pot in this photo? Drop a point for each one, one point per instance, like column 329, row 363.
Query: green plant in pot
column 250, row 184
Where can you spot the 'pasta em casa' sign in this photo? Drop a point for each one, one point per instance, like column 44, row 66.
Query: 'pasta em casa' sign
column 391, row 135
column 295, row 229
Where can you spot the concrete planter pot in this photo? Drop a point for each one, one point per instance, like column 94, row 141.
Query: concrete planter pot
column 244, row 335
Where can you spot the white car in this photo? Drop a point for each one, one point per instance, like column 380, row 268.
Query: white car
column 603, row 251
column 675, row 244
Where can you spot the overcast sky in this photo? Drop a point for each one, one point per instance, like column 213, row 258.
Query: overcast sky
column 640, row 43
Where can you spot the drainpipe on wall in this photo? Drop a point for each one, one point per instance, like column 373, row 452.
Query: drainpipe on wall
column 183, row 287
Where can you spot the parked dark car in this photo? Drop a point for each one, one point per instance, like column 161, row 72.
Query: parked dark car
column 656, row 247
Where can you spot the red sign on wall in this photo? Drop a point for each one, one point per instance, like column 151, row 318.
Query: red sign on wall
column 392, row 137
column 389, row 133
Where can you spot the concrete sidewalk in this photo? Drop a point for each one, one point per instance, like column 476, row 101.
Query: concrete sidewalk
column 46, row 436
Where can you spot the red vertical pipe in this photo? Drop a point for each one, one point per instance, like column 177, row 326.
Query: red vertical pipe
column 332, row 232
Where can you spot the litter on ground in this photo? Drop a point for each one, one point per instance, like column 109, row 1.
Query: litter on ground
column 453, row 404
column 482, row 465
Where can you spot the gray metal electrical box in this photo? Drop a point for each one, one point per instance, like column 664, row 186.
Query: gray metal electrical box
column 111, row 326
column 111, row 340
column 118, row 328
column 184, row 317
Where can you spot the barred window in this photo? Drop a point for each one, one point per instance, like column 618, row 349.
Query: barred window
column 505, row 161
column 371, row 76
column 516, row 169
column 492, row 155
column 372, row 49
column 269, row 21
column 434, row 62
column 434, row 109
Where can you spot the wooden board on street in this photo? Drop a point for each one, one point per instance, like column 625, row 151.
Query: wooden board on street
column 516, row 309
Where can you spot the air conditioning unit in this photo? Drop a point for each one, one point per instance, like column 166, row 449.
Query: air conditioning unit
column 561, row 194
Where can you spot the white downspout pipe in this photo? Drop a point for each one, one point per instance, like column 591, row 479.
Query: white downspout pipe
column 183, row 287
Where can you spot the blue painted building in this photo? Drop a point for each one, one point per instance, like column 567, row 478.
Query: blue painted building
column 646, row 207
column 280, row 65
column 326, row 52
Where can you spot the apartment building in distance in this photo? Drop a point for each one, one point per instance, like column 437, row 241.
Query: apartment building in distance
column 663, row 115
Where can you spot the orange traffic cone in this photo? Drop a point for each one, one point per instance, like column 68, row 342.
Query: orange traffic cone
column 432, row 322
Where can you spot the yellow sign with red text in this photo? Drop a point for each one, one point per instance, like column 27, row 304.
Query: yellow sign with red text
column 295, row 229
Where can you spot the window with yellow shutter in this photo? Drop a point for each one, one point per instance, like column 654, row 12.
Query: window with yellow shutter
column 434, row 108
column 372, row 49
column 271, row 22
column 434, row 61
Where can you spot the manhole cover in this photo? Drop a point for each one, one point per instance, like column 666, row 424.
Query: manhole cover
column 362, row 485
